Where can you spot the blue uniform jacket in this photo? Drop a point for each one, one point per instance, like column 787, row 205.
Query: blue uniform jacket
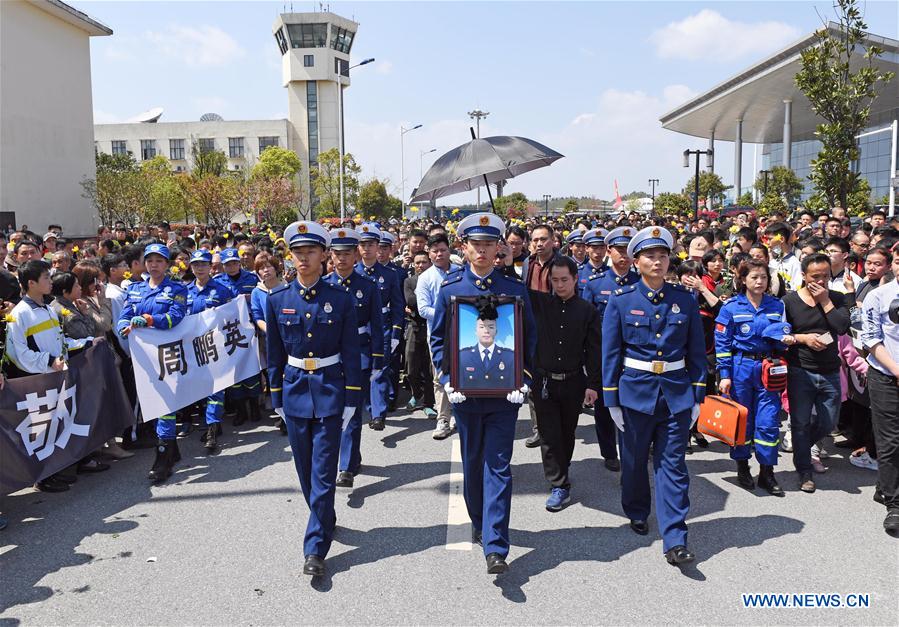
column 243, row 284
column 210, row 297
column 664, row 326
column 466, row 283
column 499, row 371
column 368, row 316
column 316, row 322
column 585, row 273
column 393, row 305
column 739, row 328
column 601, row 286
column 167, row 303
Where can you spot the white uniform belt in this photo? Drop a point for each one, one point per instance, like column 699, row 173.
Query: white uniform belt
column 656, row 367
column 312, row 363
column 365, row 328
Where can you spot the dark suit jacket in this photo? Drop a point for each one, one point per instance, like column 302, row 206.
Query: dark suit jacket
column 500, row 372
column 416, row 326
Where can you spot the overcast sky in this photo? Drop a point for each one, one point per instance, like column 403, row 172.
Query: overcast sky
column 587, row 79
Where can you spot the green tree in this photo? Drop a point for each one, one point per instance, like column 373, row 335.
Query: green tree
column 277, row 162
column 710, row 186
column 668, row 203
column 118, row 191
column 842, row 97
column 214, row 162
column 782, row 181
column 326, row 182
column 772, row 202
column 374, row 200
column 514, row 205
column 570, row 206
column 213, row 198
column 745, row 200
column 632, row 204
column 859, row 201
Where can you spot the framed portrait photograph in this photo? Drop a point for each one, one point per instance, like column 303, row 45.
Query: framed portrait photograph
column 486, row 345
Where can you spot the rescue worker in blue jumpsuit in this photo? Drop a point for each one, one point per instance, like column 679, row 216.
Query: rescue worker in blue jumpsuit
column 396, row 361
column 393, row 313
column 159, row 303
column 312, row 337
column 654, row 377
column 595, row 243
column 597, row 291
column 203, row 293
column 371, row 342
column 245, row 394
column 486, row 425
column 749, row 328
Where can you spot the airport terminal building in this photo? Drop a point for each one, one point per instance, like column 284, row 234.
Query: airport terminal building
column 762, row 105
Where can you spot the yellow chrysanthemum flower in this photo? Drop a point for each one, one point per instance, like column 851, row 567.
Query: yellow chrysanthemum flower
column 75, row 249
column 8, row 318
column 65, row 312
column 127, row 274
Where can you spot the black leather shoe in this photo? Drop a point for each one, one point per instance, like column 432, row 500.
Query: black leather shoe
column 496, row 564
column 477, row 538
column 878, row 496
column 50, row 484
column 768, row 483
column 282, row 426
column 700, row 440
column 640, row 527
column 344, row 479
column 612, row 464
column 679, row 555
column 744, row 475
column 891, row 522
column 65, row 477
column 92, row 465
column 534, row 441
column 314, row 566
column 376, row 424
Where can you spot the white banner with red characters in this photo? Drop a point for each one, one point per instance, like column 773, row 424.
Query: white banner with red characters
column 205, row 353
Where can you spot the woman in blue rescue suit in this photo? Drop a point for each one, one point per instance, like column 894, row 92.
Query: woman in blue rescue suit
column 749, row 328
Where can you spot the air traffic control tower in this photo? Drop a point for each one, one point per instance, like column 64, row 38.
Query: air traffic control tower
column 314, row 48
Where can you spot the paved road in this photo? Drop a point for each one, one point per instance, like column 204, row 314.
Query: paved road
column 221, row 543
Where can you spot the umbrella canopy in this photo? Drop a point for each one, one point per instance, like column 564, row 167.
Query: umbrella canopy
column 482, row 162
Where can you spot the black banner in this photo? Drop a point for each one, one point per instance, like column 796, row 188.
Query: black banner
column 50, row 421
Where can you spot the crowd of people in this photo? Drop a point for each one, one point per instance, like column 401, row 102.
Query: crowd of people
column 796, row 317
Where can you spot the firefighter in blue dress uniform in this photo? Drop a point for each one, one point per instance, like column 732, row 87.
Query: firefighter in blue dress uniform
column 575, row 243
column 242, row 282
column 486, row 425
column 160, row 303
column 599, row 288
column 396, row 361
column 312, row 337
column 203, row 293
column 371, row 342
column 393, row 310
column 654, row 377
column 595, row 243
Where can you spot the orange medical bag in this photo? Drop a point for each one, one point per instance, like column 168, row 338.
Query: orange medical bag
column 723, row 419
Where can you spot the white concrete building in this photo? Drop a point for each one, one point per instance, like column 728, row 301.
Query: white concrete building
column 46, row 115
column 240, row 140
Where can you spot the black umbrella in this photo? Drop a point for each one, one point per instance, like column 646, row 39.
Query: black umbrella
column 482, row 162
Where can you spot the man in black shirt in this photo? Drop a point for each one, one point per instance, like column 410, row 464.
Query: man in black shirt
column 418, row 356
column 818, row 316
column 567, row 345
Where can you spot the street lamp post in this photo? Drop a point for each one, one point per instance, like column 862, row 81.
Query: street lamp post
column 421, row 156
column 476, row 115
column 653, row 182
column 340, row 130
column 765, row 174
column 403, row 132
column 546, row 198
column 697, row 153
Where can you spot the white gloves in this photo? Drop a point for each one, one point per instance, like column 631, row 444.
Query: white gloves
column 617, row 417
column 347, row 416
column 694, row 415
column 393, row 344
column 280, row 412
column 518, row 396
column 374, row 375
column 452, row 395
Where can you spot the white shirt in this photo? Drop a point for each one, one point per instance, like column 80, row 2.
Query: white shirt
column 791, row 267
column 836, row 283
column 426, row 291
column 117, row 296
column 877, row 328
column 488, row 349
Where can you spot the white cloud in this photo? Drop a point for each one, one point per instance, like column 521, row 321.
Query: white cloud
column 710, row 35
column 384, row 67
column 197, row 46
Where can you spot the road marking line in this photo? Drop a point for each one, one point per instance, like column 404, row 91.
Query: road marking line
column 458, row 527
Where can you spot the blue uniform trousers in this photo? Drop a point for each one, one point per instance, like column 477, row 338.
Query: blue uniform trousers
column 215, row 407
column 351, row 438
column 762, row 424
column 248, row 388
column 486, row 440
column 606, row 431
column 316, row 445
column 380, row 394
column 165, row 427
column 668, row 436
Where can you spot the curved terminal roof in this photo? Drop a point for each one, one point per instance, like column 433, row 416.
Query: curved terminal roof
column 757, row 94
